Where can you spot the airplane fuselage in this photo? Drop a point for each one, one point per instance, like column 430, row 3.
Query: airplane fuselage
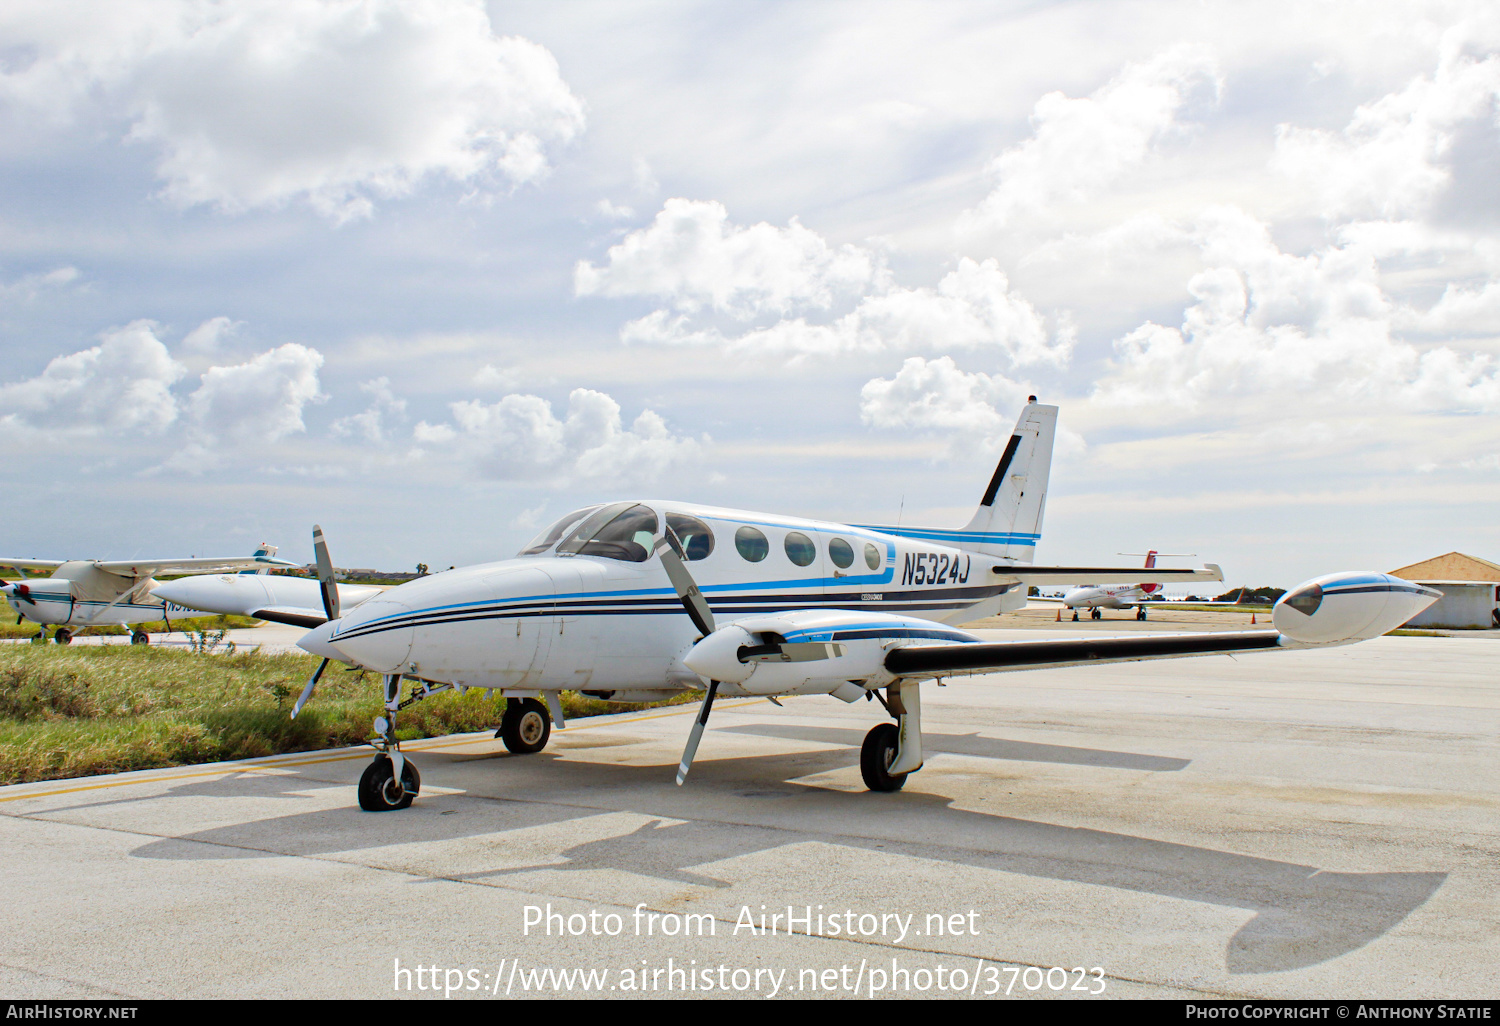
column 590, row 622
column 1124, row 596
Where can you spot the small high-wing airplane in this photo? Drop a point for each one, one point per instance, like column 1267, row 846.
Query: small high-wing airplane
column 91, row 592
column 641, row 600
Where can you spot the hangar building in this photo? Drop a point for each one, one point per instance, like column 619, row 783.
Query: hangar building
column 1470, row 587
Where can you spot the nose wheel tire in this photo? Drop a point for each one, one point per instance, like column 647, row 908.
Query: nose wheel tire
column 875, row 757
column 525, row 727
column 378, row 790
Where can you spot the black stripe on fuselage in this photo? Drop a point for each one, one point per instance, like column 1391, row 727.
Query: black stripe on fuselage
column 904, row 601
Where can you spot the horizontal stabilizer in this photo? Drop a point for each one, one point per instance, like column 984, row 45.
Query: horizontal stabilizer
column 1107, row 574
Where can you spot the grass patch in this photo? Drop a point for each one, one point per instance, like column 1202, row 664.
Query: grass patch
column 223, row 622
column 72, row 712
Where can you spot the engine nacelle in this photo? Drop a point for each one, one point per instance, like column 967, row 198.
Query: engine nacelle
column 854, row 645
column 1337, row 609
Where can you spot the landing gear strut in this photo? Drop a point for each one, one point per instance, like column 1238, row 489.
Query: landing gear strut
column 893, row 750
column 525, row 726
column 390, row 782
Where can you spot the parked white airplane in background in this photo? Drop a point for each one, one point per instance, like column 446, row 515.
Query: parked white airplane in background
column 292, row 600
column 773, row 606
column 93, row 593
column 1095, row 597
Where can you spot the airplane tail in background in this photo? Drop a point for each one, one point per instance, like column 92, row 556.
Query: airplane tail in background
column 1150, row 565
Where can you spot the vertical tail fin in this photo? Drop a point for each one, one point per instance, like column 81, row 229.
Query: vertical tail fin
column 1008, row 522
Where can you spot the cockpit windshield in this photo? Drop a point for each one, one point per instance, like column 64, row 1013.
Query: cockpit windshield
column 548, row 538
column 623, row 530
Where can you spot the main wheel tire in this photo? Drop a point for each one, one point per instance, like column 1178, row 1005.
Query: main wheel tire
column 140, row 638
column 875, row 757
column 63, row 636
column 377, row 786
column 526, row 726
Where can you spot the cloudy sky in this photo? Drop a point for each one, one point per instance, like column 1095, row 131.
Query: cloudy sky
column 433, row 273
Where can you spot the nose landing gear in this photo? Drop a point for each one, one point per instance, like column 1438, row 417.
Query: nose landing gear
column 378, row 789
column 390, row 782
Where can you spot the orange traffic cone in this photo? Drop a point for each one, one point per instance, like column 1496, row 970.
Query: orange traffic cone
column 1059, row 615
column 1252, row 619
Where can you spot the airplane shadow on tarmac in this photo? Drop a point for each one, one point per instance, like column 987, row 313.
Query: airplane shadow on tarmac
column 1302, row 915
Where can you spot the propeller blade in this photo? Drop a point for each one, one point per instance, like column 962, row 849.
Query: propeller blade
column 326, row 582
column 697, row 734
column 312, row 682
column 682, row 581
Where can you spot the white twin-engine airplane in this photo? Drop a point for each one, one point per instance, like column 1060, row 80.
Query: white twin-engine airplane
column 92, row 593
column 605, row 602
column 1095, row 597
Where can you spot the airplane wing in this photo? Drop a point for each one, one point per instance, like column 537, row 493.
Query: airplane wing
column 1000, row 656
column 32, row 564
column 1030, row 575
column 194, row 565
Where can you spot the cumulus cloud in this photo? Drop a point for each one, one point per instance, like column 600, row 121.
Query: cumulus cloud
column 1267, row 328
column 375, row 423
column 1392, row 158
column 255, row 104
column 934, row 395
column 519, row 438
column 693, row 256
column 260, row 400
column 121, row 385
column 702, row 264
column 1080, row 145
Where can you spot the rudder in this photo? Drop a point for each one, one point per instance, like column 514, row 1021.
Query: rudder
column 1008, row 522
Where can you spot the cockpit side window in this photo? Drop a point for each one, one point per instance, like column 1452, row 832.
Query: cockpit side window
column 621, row 531
column 548, row 538
column 696, row 538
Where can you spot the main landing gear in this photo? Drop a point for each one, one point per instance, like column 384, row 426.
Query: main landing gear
column 1096, row 613
column 140, row 638
column 525, row 726
column 893, row 750
column 63, row 636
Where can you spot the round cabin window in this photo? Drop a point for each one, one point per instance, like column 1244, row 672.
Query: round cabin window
column 840, row 552
column 800, row 549
column 751, row 544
